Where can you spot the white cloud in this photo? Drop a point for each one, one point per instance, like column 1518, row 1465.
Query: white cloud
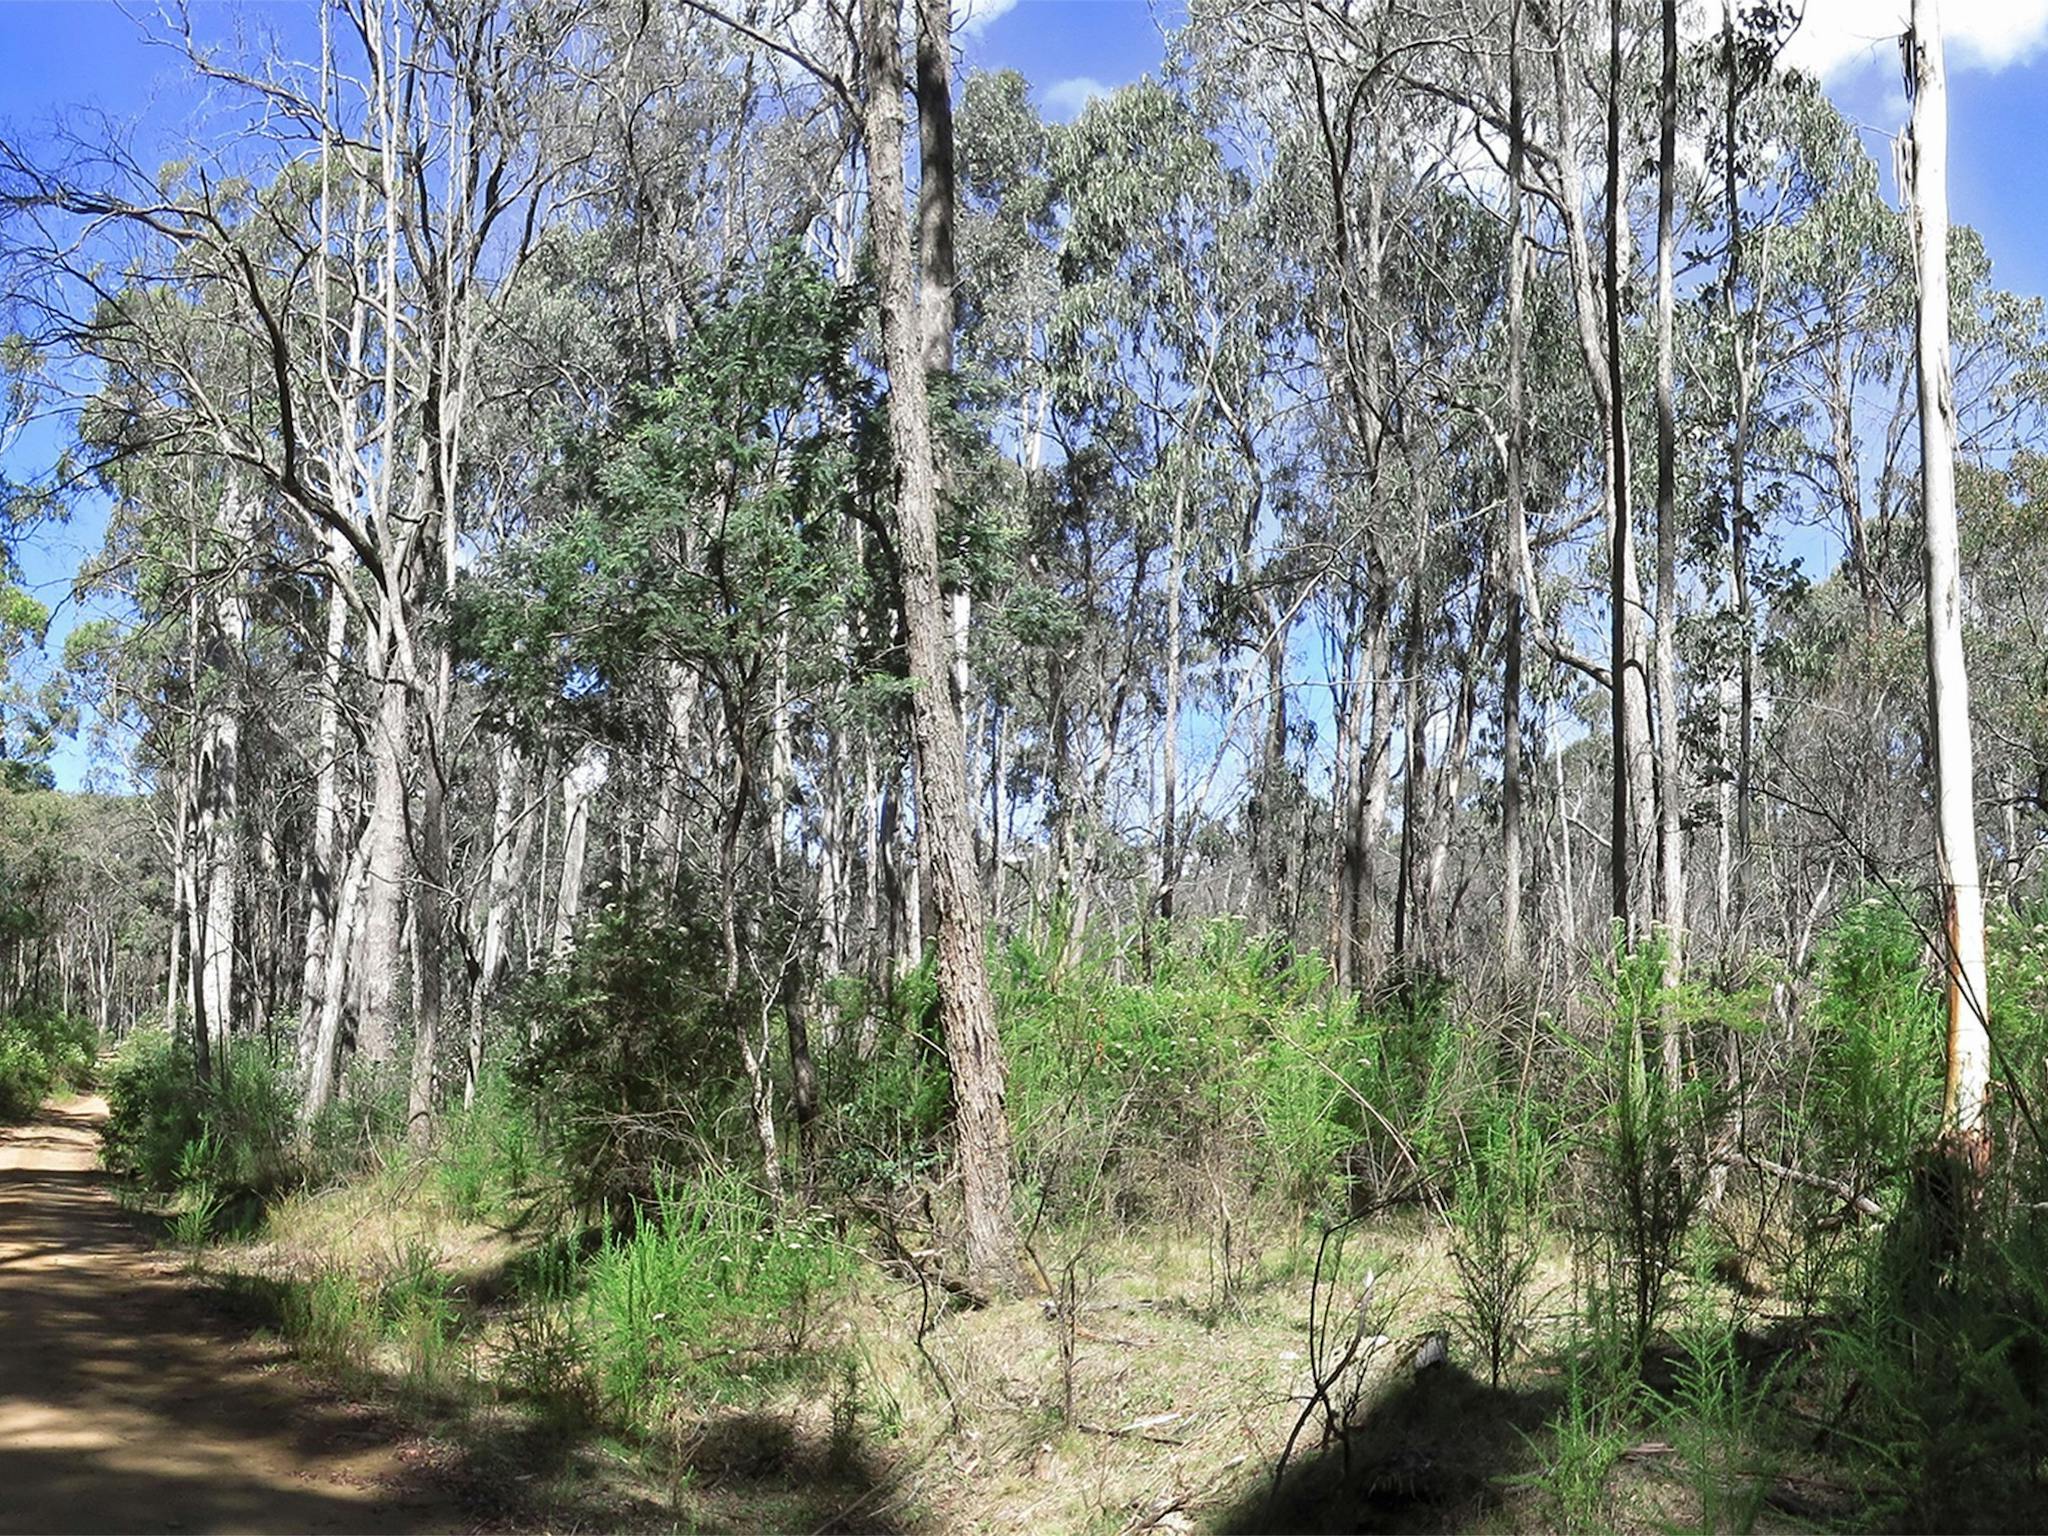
column 1845, row 37
column 971, row 18
column 1067, row 98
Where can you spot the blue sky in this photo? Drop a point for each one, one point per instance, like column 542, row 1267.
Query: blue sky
column 57, row 54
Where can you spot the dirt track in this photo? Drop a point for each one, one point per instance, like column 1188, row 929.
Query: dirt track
column 128, row 1404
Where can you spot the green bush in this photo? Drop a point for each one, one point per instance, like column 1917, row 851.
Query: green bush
column 1938, row 1354
column 632, row 1069
column 41, row 1051
column 1496, row 1215
column 708, row 1294
column 1142, row 1083
column 1878, row 1034
column 486, row 1154
column 1138, row 1092
column 1638, row 1140
column 353, row 1132
column 25, row 1076
column 231, row 1136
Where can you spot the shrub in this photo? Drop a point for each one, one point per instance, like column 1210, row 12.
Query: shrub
column 1497, row 1227
column 632, row 1066
column 1878, row 1033
column 707, row 1293
column 25, row 1076
column 1643, row 1137
column 231, row 1136
column 1938, row 1353
column 1138, row 1093
column 485, row 1156
column 352, row 1132
column 41, row 1051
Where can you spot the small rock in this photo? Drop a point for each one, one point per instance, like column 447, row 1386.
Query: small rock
column 1435, row 1351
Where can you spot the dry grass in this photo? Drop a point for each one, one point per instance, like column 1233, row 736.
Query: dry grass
column 1182, row 1395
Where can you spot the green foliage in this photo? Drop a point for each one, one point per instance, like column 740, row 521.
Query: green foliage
column 416, row 1307
column 698, row 525
column 1878, row 1032
column 486, row 1154
column 632, row 1066
column 709, row 1294
column 1723, row 1416
column 1497, row 1223
column 1939, row 1356
column 331, row 1317
column 232, row 1136
column 1227, row 1068
column 889, row 1111
column 1643, row 1144
column 1139, row 1093
column 41, row 1051
column 1584, row 1442
column 355, row 1131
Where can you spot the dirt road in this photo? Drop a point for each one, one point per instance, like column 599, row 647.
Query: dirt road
column 128, row 1404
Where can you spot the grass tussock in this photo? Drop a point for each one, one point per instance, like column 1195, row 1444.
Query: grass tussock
column 1389, row 1264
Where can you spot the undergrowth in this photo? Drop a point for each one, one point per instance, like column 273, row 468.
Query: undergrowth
column 41, row 1052
column 1671, row 1295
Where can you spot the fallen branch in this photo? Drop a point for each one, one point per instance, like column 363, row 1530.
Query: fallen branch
column 1139, row 1429
column 1862, row 1204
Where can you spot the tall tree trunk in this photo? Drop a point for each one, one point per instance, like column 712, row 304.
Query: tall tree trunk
column 430, row 919
column 1738, row 466
column 1451, row 780
column 1376, row 771
column 945, row 823
column 753, row 1059
column 320, row 871
column 1620, row 552
column 218, row 870
column 579, row 787
column 1415, row 754
column 323, row 1059
column 1270, row 842
column 1670, row 839
column 1169, row 728
column 1967, row 1094
column 1512, row 942
column 1347, row 790
column 511, row 831
column 383, row 915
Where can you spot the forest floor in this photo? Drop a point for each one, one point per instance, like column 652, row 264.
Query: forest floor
column 138, row 1392
column 129, row 1402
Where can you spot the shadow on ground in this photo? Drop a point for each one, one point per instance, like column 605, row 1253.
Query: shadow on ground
column 125, row 1406
column 520, row 1461
column 1432, row 1454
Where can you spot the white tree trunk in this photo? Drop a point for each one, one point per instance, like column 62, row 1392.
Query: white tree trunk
column 320, row 873
column 1968, row 1090
column 579, row 786
column 383, row 922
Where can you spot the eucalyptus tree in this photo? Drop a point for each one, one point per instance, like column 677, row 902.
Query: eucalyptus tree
column 1966, row 1096
column 1670, row 838
column 702, row 534
column 945, row 830
column 1160, row 402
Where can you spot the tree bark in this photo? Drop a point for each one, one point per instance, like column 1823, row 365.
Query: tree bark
column 1620, row 550
column 945, row 826
column 511, row 830
column 1670, row 836
column 1967, row 1093
column 383, row 915
column 1512, row 943
column 1738, row 465
column 579, row 786
column 1169, row 729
